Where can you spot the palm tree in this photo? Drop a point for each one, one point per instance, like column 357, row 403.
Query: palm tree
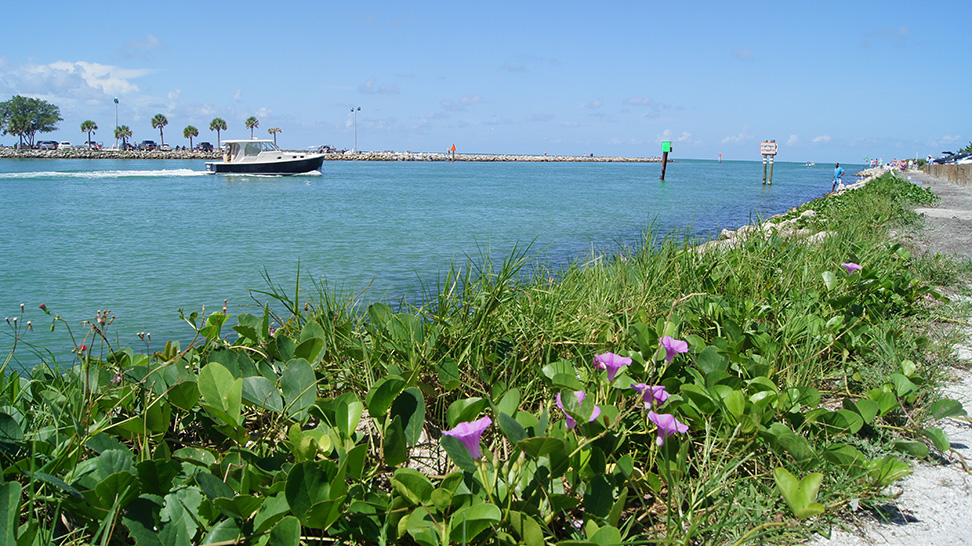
column 123, row 133
column 190, row 132
column 251, row 124
column 273, row 131
column 218, row 124
column 158, row 122
column 89, row 127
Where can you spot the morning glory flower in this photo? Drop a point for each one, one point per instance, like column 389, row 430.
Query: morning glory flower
column 612, row 363
column 469, row 434
column 851, row 267
column 581, row 395
column 651, row 392
column 673, row 347
column 667, row 425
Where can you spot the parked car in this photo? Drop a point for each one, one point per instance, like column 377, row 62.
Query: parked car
column 64, row 145
column 147, row 145
column 165, row 148
column 91, row 145
column 46, row 144
column 204, row 147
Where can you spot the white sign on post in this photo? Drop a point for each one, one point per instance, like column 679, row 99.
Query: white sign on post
column 767, row 148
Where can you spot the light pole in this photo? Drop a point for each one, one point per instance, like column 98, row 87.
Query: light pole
column 355, row 111
column 116, row 121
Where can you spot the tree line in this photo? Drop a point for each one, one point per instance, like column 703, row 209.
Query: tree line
column 25, row 117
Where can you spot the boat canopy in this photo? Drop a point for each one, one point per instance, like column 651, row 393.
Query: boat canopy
column 243, row 149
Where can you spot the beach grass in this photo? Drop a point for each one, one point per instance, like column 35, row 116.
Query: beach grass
column 754, row 390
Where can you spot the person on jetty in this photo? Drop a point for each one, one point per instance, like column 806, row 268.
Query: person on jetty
column 838, row 172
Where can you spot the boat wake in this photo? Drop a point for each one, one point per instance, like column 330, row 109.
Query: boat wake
column 40, row 175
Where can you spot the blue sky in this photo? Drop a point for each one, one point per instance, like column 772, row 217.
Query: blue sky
column 830, row 81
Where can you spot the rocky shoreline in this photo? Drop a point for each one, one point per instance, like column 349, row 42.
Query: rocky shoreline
column 334, row 156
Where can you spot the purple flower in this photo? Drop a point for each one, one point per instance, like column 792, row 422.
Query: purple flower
column 673, row 347
column 469, row 434
column 581, row 395
column 667, row 425
column 851, row 267
column 612, row 363
column 651, row 392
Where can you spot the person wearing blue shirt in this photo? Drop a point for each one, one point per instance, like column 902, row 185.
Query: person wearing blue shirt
column 838, row 172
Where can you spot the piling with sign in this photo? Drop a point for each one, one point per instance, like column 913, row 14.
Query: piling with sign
column 666, row 147
column 768, row 149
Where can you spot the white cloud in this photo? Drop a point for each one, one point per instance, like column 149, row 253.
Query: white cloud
column 793, row 140
column 570, row 124
column 639, row 101
column 237, row 95
column 594, row 104
column 742, row 54
column 150, row 42
column 822, row 139
column 466, row 100
column 540, row 117
column 369, row 88
column 78, row 79
column 738, row 139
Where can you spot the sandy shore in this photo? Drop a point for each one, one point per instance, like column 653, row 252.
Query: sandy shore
column 337, row 156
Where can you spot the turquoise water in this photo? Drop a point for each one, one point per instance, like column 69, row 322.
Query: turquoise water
column 146, row 238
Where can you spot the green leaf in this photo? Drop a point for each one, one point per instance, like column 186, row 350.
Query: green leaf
column 902, row 385
column 513, row 431
column 800, row 495
column 299, row 386
column 468, row 522
column 458, row 453
column 222, row 391
column 915, row 449
column 422, row 527
column 888, row 470
column 938, row 437
column 314, row 493
column 465, row 410
column 410, row 407
column 347, row 413
column 844, row 419
column 261, row 392
column 413, row 485
column 526, row 528
column 394, row 444
column 285, row 533
column 607, row 536
column 709, row 360
column 184, row 395
column 829, row 279
column 509, row 403
column 9, row 511
column 867, row 408
column 381, row 395
column 946, row 408
column 541, row 445
column 309, row 349
column 845, row 455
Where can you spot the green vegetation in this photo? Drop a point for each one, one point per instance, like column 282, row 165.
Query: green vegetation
column 656, row 395
column 273, row 132
column 251, row 124
column 89, row 127
column 158, row 122
column 190, row 132
column 24, row 117
column 218, row 125
column 123, row 133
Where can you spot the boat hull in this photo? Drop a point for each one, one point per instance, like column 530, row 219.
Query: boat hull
column 283, row 166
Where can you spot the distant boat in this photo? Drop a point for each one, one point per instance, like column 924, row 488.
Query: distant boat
column 810, row 164
column 263, row 157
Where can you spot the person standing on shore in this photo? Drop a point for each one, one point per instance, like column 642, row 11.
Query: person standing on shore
column 838, row 172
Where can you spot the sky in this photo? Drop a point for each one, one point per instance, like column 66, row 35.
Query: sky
column 829, row 81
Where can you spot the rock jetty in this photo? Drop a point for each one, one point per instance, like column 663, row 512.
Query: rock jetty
column 431, row 156
column 84, row 153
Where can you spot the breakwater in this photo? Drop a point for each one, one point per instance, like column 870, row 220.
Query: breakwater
column 432, row 156
column 333, row 156
column 84, row 153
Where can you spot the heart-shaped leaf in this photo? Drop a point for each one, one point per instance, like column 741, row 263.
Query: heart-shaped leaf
column 800, row 495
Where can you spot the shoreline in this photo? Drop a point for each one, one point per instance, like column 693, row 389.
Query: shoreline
column 11, row 153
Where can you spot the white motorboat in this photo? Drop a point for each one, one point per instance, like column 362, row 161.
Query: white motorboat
column 263, row 157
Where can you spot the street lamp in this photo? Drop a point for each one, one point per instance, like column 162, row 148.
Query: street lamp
column 355, row 111
column 116, row 121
